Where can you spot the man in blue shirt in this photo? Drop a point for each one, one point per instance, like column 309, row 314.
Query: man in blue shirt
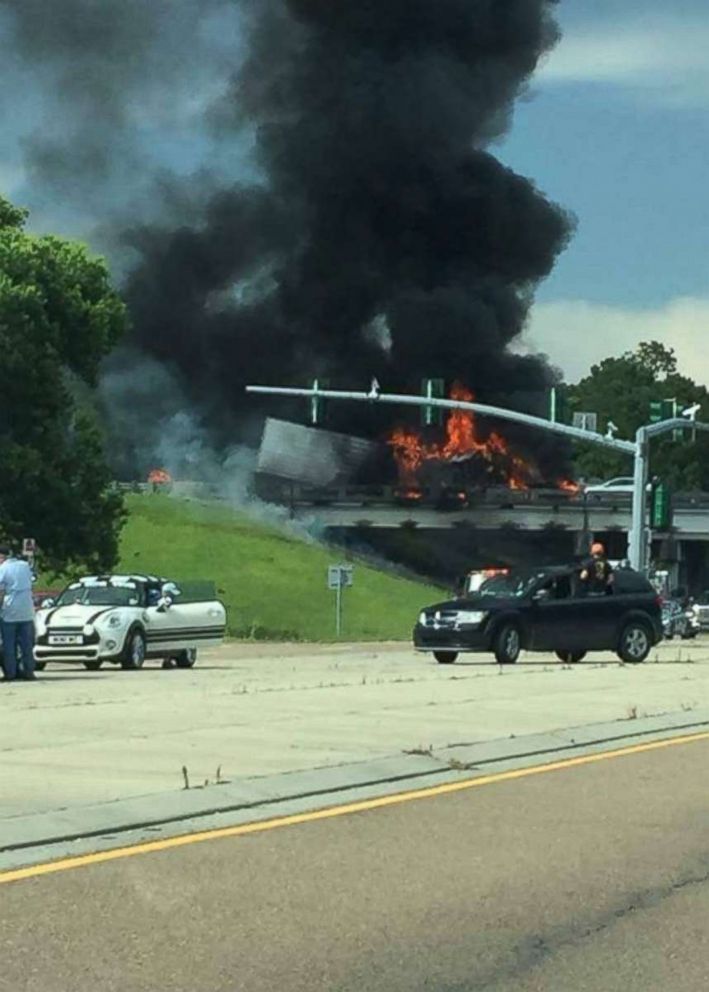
column 17, row 616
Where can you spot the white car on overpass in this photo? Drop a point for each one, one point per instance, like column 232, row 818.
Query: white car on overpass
column 623, row 485
column 126, row 619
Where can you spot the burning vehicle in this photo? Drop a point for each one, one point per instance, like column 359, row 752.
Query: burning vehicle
column 467, row 457
column 487, row 456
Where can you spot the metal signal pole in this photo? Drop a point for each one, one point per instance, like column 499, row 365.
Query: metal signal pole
column 638, row 550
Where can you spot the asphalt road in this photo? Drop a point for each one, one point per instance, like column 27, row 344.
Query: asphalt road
column 593, row 878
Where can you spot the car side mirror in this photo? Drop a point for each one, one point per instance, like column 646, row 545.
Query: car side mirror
column 541, row 595
column 164, row 604
column 46, row 603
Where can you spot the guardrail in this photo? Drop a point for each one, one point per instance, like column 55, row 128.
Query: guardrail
column 498, row 496
column 297, row 494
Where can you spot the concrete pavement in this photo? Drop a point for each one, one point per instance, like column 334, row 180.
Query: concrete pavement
column 85, row 752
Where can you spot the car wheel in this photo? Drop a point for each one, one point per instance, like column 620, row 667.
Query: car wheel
column 508, row 644
column 92, row 666
column 570, row 657
column 635, row 643
column 134, row 651
column 186, row 659
column 39, row 666
column 445, row 657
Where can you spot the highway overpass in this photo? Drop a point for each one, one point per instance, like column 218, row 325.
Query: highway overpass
column 491, row 509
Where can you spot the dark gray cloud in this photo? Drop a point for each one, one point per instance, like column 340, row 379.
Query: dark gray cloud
column 118, row 92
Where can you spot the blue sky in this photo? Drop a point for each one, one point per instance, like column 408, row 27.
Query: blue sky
column 615, row 127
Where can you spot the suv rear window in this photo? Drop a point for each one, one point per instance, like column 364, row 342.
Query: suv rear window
column 625, row 580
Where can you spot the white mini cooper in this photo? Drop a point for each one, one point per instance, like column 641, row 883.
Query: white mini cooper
column 125, row 619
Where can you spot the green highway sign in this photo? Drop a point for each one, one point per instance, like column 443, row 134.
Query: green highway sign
column 661, row 511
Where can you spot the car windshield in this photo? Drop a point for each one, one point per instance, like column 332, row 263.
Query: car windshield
column 504, row 586
column 100, row 594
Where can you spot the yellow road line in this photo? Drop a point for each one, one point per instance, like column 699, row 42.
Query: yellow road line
column 365, row 805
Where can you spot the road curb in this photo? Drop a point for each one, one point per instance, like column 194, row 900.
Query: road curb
column 47, row 830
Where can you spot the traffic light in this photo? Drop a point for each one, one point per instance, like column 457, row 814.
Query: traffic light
column 557, row 405
column 661, row 511
column 666, row 410
column 433, row 389
column 317, row 403
column 561, row 405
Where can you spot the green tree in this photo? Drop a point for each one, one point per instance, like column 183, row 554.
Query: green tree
column 621, row 390
column 59, row 317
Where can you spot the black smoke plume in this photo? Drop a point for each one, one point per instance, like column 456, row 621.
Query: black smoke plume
column 378, row 236
column 384, row 240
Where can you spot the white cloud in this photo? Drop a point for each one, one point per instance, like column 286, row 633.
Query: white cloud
column 576, row 334
column 662, row 58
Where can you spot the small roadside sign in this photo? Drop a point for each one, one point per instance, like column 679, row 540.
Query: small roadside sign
column 339, row 577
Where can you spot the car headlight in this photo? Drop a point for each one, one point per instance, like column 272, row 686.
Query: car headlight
column 89, row 629
column 422, row 617
column 471, row 616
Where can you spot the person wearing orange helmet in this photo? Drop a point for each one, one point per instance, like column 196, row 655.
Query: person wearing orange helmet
column 597, row 573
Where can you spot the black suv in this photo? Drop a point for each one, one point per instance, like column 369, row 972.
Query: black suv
column 547, row 609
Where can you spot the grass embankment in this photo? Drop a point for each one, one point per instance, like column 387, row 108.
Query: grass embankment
column 273, row 585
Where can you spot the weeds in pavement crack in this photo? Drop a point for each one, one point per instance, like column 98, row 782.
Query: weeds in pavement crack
column 460, row 766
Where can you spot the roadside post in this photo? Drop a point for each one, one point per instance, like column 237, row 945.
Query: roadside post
column 639, row 449
column 339, row 577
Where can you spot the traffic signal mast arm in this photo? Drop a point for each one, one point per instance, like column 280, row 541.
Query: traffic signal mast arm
column 674, row 424
column 423, row 401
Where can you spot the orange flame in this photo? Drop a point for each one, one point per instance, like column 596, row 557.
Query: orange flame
column 567, row 486
column 409, row 494
column 159, row 477
column 462, row 442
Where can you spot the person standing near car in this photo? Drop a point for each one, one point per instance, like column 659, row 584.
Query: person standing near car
column 16, row 616
column 597, row 573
